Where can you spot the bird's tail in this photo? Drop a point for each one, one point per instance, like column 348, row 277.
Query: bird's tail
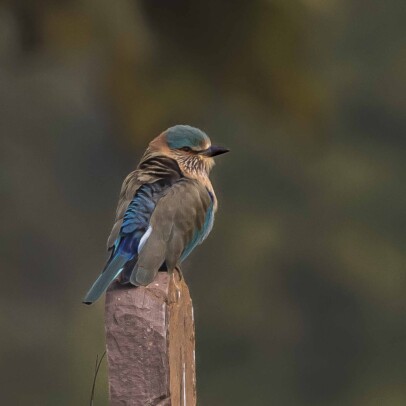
column 101, row 284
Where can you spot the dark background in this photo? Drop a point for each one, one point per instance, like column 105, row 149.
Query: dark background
column 299, row 293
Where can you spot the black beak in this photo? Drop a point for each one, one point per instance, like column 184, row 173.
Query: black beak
column 214, row 150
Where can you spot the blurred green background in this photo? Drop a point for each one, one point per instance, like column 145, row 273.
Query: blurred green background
column 299, row 293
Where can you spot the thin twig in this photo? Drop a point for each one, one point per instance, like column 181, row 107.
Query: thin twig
column 96, row 370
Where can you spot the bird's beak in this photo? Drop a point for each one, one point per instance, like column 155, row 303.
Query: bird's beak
column 214, row 150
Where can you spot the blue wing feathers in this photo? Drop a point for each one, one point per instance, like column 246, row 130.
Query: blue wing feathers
column 137, row 216
column 135, row 224
column 139, row 210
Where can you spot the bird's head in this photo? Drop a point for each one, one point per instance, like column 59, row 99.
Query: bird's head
column 190, row 147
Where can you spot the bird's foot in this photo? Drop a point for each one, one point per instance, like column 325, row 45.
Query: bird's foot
column 177, row 277
column 180, row 273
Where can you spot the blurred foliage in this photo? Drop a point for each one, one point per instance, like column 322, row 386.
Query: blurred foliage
column 299, row 292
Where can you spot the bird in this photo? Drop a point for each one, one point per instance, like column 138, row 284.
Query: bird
column 165, row 209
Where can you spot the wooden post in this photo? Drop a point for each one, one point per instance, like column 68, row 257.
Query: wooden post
column 150, row 343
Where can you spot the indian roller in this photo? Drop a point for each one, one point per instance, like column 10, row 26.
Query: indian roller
column 166, row 208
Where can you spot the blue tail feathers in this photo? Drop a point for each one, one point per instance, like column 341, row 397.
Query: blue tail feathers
column 111, row 272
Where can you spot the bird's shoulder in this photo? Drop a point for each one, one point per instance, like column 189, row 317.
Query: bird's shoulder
column 160, row 169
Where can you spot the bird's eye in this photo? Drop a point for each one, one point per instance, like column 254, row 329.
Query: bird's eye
column 186, row 149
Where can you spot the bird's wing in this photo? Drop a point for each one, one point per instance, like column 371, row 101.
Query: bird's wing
column 152, row 170
column 139, row 195
column 128, row 190
column 182, row 218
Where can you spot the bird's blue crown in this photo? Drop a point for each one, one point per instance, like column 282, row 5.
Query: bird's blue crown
column 181, row 136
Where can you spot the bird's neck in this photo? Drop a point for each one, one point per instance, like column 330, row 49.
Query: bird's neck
column 199, row 171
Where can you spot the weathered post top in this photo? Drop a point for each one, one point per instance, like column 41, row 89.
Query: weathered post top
column 150, row 343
